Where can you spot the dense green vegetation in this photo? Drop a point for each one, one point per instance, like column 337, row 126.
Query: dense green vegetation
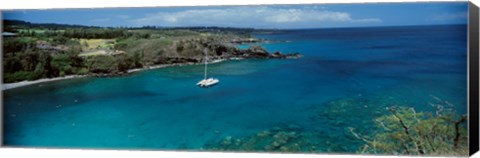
column 286, row 139
column 53, row 50
column 408, row 132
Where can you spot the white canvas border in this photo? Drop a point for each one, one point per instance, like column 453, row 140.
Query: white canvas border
column 81, row 153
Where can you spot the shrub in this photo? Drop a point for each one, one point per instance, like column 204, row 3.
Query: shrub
column 405, row 131
column 19, row 76
column 61, row 65
column 101, row 64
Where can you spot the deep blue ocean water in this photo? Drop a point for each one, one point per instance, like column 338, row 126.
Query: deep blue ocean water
column 163, row 109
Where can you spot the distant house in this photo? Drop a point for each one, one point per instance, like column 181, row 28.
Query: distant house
column 8, row 34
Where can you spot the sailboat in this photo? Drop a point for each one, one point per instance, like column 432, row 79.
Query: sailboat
column 207, row 82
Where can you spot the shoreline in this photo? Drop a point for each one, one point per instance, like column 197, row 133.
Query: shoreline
column 7, row 86
column 261, row 55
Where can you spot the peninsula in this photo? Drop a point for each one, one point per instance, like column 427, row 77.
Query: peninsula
column 35, row 53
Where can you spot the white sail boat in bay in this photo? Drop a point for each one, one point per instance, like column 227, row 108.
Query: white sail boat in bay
column 207, row 82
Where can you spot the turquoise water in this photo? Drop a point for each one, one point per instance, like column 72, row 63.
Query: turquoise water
column 163, row 109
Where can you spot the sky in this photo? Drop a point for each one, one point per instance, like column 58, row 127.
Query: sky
column 258, row 16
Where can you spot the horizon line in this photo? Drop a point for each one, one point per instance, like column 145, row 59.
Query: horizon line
column 206, row 26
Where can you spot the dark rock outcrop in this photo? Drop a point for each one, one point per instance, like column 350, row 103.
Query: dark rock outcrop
column 260, row 52
column 175, row 60
column 245, row 40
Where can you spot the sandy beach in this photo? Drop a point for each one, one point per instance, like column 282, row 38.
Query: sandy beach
column 6, row 86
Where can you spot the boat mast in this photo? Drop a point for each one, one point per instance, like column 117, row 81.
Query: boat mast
column 205, row 64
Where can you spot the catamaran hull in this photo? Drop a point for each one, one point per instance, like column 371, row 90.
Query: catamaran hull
column 208, row 82
column 207, row 86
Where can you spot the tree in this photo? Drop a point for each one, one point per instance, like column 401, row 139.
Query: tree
column 102, row 64
column 405, row 131
column 124, row 63
column 59, row 40
column 61, row 64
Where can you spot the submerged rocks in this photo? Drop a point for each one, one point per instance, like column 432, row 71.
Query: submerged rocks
column 292, row 56
column 274, row 140
column 277, row 54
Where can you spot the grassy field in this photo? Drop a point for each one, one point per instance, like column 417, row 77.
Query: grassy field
column 92, row 53
column 92, row 44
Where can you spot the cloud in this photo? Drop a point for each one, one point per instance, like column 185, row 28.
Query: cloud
column 250, row 17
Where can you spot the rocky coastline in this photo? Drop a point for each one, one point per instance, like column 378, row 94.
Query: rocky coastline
column 228, row 53
column 222, row 53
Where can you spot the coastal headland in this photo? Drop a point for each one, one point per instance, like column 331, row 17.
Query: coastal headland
column 37, row 53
